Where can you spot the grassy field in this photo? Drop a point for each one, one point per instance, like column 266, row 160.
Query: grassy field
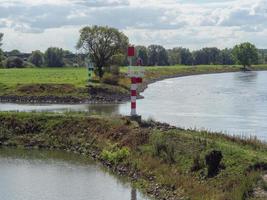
column 73, row 81
column 167, row 162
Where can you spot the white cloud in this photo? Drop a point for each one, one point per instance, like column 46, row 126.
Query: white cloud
column 189, row 23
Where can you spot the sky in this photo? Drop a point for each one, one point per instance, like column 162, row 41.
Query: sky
column 38, row 24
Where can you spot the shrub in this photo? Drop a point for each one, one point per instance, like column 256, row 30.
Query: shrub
column 213, row 160
column 14, row 62
column 115, row 70
column 116, row 156
column 197, row 164
column 110, row 79
column 164, row 147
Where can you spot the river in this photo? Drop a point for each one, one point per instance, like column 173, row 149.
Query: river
column 46, row 175
column 233, row 103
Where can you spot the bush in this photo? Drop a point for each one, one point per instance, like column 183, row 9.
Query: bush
column 14, row 62
column 164, row 147
column 110, row 79
column 213, row 160
column 116, row 156
column 115, row 70
column 197, row 164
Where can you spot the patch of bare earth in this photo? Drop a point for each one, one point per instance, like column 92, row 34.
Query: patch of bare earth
column 260, row 192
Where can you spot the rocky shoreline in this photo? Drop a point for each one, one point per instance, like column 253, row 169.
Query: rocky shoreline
column 99, row 99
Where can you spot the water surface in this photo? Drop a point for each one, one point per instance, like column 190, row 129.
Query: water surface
column 44, row 175
column 234, row 103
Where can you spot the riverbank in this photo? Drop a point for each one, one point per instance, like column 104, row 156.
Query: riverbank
column 69, row 85
column 164, row 161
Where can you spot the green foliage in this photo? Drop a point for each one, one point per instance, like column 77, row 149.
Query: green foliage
column 37, row 58
column 101, row 43
column 143, row 54
column 54, row 57
column 246, row 54
column 1, row 38
column 163, row 147
column 14, row 62
column 1, row 52
column 118, row 59
column 15, row 52
column 157, row 56
column 116, row 156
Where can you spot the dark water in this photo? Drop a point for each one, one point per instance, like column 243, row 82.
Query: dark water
column 44, row 175
column 235, row 103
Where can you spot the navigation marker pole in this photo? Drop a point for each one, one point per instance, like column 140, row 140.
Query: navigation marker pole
column 135, row 75
column 90, row 67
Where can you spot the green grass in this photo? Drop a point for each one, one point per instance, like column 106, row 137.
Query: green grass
column 11, row 80
column 130, row 146
column 13, row 77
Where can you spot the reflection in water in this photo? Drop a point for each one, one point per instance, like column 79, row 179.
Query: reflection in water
column 246, row 76
column 133, row 194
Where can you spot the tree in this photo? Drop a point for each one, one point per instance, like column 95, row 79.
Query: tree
column 157, row 55
column 245, row 54
column 1, row 52
column 143, row 54
column 226, row 57
column 174, row 57
column 1, row 38
column 101, row 43
column 54, row 57
column 14, row 52
column 185, row 56
column 37, row 58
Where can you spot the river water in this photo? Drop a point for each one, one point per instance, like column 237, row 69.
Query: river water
column 44, row 175
column 233, row 103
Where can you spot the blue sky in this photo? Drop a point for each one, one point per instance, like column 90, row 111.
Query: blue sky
column 39, row 24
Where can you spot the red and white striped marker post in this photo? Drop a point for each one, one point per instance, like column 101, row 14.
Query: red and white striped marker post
column 135, row 79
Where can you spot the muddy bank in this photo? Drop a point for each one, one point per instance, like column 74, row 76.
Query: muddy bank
column 89, row 95
column 99, row 99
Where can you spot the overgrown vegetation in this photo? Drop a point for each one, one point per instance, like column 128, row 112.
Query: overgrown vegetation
column 164, row 161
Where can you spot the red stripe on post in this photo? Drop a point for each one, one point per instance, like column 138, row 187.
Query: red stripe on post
column 131, row 51
column 133, row 93
column 134, row 80
column 133, row 105
column 139, row 80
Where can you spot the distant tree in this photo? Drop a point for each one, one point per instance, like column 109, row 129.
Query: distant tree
column 207, row 56
column 212, row 55
column 245, row 54
column 101, row 43
column 14, row 52
column 37, row 58
column 226, row 57
column 174, row 57
column 1, row 38
column 14, row 62
column 157, row 55
column 185, row 56
column 54, row 57
column 1, row 52
column 143, row 54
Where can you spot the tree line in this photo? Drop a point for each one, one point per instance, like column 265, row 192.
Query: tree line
column 108, row 46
